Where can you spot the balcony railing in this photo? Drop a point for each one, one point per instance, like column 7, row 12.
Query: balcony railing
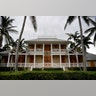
column 40, row 65
column 54, row 51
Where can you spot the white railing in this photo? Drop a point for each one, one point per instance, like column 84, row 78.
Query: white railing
column 3, row 64
column 55, row 50
column 47, row 65
column 29, row 64
column 38, row 65
column 56, row 65
column 65, row 64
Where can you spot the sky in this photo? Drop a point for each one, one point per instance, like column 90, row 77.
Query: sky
column 47, row 26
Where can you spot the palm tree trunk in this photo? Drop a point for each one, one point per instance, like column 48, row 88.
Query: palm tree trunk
column 83, row 51
column 17, row 49
column 1, row 38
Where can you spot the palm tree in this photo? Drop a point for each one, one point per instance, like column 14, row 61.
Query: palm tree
column 22, row 46
column 77, row 41
column 5, row 28
column 86, row 19
column 74, row 39
column 92, row 31
column 33, row 19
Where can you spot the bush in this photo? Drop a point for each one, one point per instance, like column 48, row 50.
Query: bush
column 78, row 68
column 47, row 69
column 48, row 75
column 4, row 69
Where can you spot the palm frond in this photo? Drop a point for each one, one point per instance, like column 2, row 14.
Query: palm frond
column 86, row 19
column 69, row 21
column 34, row 23
column 94, row 40
column 91, row 30
column 93, row 22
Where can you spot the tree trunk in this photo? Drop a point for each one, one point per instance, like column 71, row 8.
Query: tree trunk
column 17, row 49
column 1, row 38
column 82, row 44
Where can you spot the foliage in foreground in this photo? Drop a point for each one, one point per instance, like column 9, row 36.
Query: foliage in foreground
column 48, row 75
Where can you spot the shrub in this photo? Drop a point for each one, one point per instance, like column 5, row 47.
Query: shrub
column 4, row 69
column 78, row 68
column 48, row 75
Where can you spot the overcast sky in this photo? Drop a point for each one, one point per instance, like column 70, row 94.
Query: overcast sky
column 47, row 26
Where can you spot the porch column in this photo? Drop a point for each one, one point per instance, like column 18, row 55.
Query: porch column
column 60, row 54
column 69, row 58
column 43, row 55
column 77, row 59
column 51, row 56
column 60, row 61
column 34, row 55
column 25, row 60
column 34, row 60
column 35, row 48
column 52, row 60
column 8, row 59
column 60, row 48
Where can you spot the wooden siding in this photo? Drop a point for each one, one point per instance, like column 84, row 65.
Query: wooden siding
column 55, row 46
column 80, row 58
column 30, row 59
column 63, row 46
column 73, row 59
column 56, row 59
column 4, row 59
column 64, row 59
column 31, row 46
column 47, row 48
column 39, row 59
column 47, row 59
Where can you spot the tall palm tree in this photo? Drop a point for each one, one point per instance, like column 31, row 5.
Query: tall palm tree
column 5, row 28
column 92, row 31
column 77, row 41
column 86, row 19
column 33, row 19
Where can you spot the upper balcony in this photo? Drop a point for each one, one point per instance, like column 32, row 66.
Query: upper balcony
column 53, row 51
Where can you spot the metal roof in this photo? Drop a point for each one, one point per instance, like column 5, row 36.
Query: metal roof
column 46, row 40
column 90, row 56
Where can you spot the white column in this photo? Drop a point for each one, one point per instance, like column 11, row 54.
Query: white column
column 60, row 54
column 35, row 48
column 69, row 58
column 25, row 59
column 34, row 60
column 51, row 56
column 60, row 61
column 60, row 48
column 8, row 59
column 51, row 60
column 77, row 59
column 34, row 55
column 51, row 48
column 43, row 54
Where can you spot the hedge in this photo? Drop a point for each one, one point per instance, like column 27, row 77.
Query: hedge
column 48, row 75
column 78, row 68
column 4, row 69
column 47, row 69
